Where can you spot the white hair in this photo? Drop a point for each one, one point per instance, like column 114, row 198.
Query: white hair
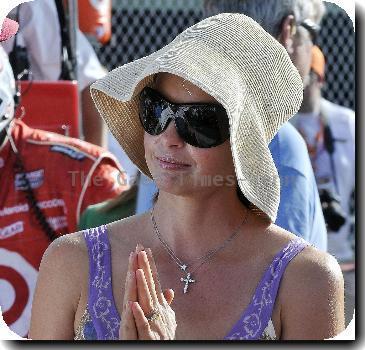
column 268, row 13
column 318, row 10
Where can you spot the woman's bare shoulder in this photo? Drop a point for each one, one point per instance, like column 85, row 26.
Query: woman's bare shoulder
column 310, row 294
column 66, row 253
column 62, row 277
column 315, row 266
column 310, row 263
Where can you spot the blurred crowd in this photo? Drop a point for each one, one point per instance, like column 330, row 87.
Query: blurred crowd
column 52, row 184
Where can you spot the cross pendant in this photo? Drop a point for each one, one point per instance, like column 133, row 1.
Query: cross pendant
column 187, row 280
column 183, row 267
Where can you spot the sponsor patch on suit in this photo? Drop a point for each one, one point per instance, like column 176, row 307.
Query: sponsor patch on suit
column 11, row 230
column 35, row 178
column 68, row 152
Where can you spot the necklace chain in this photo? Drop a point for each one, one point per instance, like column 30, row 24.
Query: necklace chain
column 203, row 259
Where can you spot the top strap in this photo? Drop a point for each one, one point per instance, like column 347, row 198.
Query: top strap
column 101, row 304
column 258, row 313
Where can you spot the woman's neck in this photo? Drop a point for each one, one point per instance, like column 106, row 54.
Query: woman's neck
column 191, row 226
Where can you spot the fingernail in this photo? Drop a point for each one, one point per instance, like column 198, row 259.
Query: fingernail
column 139, row 248
column 144, row 253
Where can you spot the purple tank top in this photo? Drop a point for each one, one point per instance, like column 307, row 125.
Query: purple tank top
column 105, row 319
column 101, row 305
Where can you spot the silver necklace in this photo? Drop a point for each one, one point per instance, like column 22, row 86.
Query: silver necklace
column 190, row 269
column 183, row 85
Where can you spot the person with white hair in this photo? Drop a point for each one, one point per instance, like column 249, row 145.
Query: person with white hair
column 196, row 116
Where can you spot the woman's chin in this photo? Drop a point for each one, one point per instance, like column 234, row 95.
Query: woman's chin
column 175, row 184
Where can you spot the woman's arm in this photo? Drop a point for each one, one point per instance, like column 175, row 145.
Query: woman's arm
column 58, row 289
column 312, row 298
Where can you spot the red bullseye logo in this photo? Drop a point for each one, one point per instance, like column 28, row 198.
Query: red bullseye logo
column 21, row 296
column 17, row 283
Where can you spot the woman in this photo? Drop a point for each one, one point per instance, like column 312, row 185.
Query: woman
column 197, row 116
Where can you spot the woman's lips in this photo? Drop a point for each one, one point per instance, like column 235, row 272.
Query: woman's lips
column 171, row 163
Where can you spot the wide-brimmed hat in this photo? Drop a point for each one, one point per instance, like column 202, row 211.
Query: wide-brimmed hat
column 244, row 68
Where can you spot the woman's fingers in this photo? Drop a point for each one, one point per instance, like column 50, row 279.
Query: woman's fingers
column 130, row 288
column 143, row 263
column 143, row 292
column 139, row 248
column 169, row 295
column 128, row 329
column 152, row 315
column 142, row 325
column 156, row 280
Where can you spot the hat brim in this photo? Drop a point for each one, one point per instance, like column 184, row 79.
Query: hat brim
column 9, row 29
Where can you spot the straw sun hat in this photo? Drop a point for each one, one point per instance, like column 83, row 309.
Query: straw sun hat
column 244, row 68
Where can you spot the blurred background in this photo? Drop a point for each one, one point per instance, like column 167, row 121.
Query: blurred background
column 140, row 27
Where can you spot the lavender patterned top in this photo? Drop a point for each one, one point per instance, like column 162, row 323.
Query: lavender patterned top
column 101, row 319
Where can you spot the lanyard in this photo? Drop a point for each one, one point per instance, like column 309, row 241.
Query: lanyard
column 329, row 144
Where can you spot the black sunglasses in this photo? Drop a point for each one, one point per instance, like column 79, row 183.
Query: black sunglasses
column 202, row 125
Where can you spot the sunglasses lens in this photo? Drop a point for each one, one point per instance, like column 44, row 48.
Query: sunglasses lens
column 204, row 126
column 150, row 113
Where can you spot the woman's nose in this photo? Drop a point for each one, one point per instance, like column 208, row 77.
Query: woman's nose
column 170, row 137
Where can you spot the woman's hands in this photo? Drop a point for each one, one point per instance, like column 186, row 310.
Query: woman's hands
column 147, row 314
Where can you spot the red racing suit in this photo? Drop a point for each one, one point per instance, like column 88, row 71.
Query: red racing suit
column 66, row 176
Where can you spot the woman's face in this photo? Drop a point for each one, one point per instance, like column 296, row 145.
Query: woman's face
column 178, row 167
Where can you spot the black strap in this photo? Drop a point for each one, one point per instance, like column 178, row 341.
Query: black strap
column 68, row 61
column 329, row 143
column 18, row 57
column 32, row 200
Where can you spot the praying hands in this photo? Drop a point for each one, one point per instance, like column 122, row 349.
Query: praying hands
column 147, row 314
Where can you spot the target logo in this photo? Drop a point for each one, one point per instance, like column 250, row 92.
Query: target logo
column 17, row 283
